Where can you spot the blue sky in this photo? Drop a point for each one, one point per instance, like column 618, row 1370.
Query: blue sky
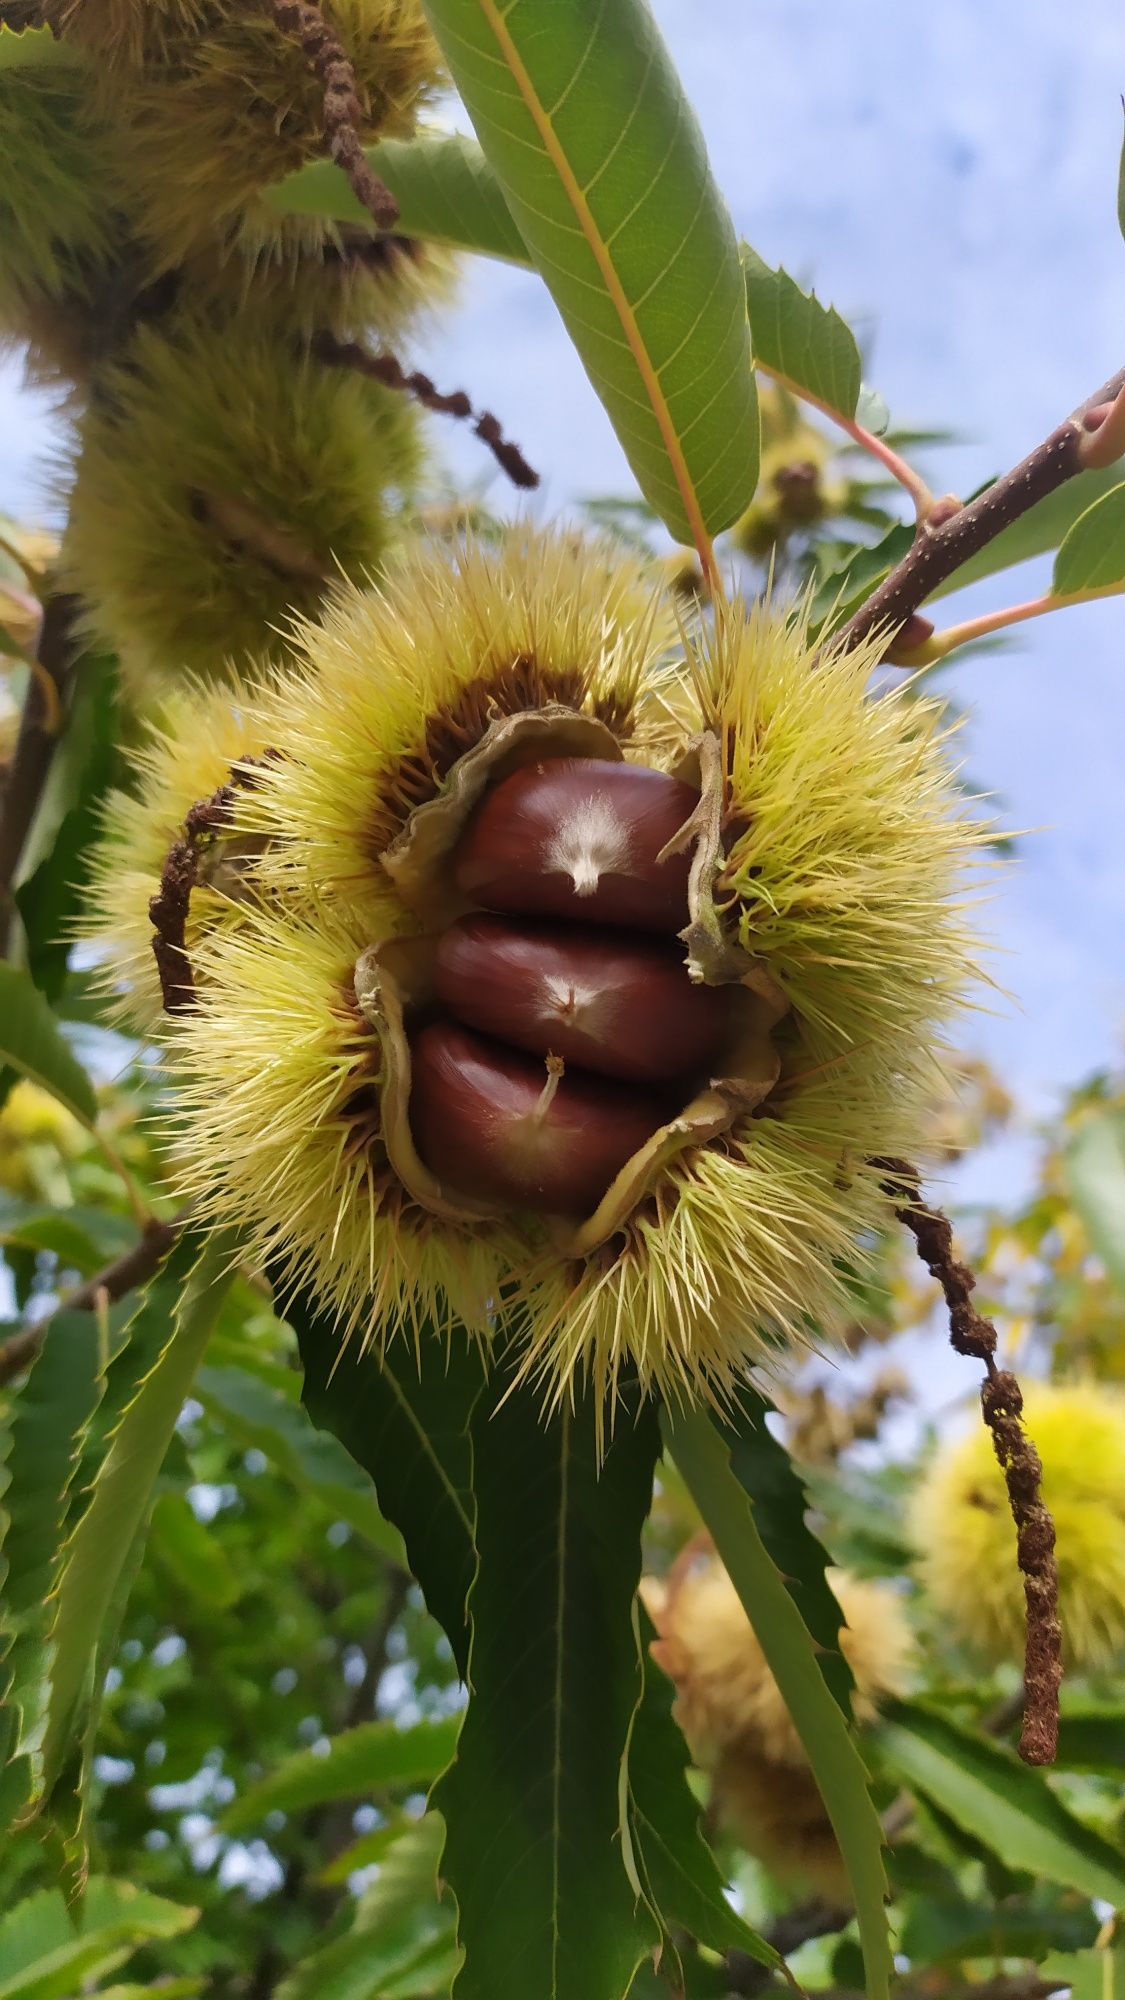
column 946, row 176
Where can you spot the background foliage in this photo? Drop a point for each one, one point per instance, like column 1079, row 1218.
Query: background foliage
column 224, row 1705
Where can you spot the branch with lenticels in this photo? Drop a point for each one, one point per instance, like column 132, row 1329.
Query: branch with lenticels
column 1092, row 436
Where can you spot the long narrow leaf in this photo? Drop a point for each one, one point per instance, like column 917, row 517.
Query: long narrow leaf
column 445, row 189
column 368, row 1758
column 260, row 1415
column 533, row 1802
column 581, row 114
column 51, row 1414
column 31, row 1042
column 795, row 336
column 405, row 1419
column 1092, row 554
column 677, row 1868
column 990, row 1794
column 703, row 1459
column 105, row 1538
column 1094, row 1167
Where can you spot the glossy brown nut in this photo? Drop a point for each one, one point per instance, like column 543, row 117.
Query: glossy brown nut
column 573, row 837
column 478, row 1123
column 623, row 1006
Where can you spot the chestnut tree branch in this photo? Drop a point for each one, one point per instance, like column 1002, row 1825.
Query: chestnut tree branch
column 125, row 1274
column 949, row 536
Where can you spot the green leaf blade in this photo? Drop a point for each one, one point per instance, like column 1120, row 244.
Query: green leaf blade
column 445, row 189
column 581, row 115
column 703, row 1459
column 371, row 1757
column 1092, row 553
column 677, row 1867
column 404, row 1417
column 31, row 1042
column 795, row 336
column 990, row 1794
column 104, row 1540
column 1094, row 1167
column 272, row 1422
column 533, row 1802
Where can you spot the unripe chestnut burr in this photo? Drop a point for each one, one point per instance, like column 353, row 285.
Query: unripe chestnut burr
column 622, row 1006
column 499, row 1124
column 575, row 837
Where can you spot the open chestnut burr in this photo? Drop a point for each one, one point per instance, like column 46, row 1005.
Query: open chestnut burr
column 567, row 1030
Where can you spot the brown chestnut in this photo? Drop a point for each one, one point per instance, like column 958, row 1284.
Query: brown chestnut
column 574, row 837
column 497, row 1123
column 622, row 1006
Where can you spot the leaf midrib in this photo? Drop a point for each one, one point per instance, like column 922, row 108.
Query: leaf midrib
column 599, row 249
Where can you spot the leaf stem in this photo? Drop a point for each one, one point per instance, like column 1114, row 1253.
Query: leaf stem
column 941, row 644
column 888, row 458
column 942, row 545
column 132, row 1269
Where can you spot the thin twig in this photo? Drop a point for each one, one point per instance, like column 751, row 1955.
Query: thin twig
column 386, row 369
column 343, row 113
column 933, row 647
column 44, row 707
column 877, row 447
column 1002, row 1403
column 125, row 1274
column 950, row 535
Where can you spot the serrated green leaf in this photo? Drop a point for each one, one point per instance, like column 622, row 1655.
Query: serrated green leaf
column 1090, row 1975
column 46, row 1955
column 581, row 114
column 794, row 335
column 270, row 1420
column 532, row 1803
column 105, row 1538
column 181, row 1542
column 372, row 1757
column 445, row 189
column 1094, row 1170
column 51, row 1414
column 987, row 1791
column 54, row 867
column 401, row 1944
column 83, row 1238
column 937, row 1929
column 703, row 1458
column 1092, row 554
column 769, row 1479
column 405, row 1420
column 1091, row 1736
column 31, row 1042
column 368, row 1849
column 35, row 48
column 676, row 1867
